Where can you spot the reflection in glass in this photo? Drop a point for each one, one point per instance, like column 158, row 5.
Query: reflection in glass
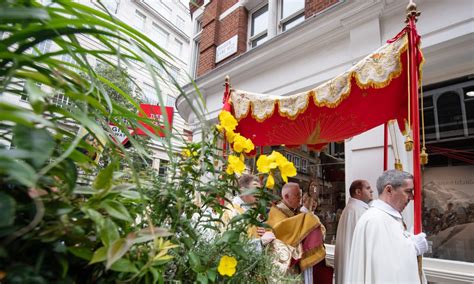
column 289, row 7
column 259, row 20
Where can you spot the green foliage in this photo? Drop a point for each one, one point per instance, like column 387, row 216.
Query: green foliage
column 56, row 226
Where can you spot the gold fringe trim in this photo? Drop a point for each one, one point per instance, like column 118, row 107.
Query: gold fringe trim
column 311, row 257
column 353, row 74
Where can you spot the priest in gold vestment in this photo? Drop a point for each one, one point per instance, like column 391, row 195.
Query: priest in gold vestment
column 299, row 237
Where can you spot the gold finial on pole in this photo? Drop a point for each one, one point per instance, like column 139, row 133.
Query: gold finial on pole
column 412, row 11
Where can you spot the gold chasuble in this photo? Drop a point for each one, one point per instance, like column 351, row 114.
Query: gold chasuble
column 293, row 229
column 234, row 210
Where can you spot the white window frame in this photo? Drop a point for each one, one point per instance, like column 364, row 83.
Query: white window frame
column 196, row 43
column 255, row 37
column 159, row 30
column 290, row 18
column 180, row 22
column 140, row 15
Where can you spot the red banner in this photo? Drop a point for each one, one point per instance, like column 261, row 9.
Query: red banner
column 154, row 112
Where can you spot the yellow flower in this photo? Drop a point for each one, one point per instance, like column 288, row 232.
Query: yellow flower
column 264, row 164
column 287, row 169
column 277, row 157
column 187, row 153
column 227, row 120
column 230, row 136
column 235, row 165
column 227, row 265
column 270, row 182
column 242, row 144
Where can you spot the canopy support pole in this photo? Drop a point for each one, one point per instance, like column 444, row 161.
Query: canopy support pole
column 385, row 146
column 412, row 15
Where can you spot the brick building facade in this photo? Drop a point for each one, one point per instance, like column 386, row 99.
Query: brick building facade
column 221, row 20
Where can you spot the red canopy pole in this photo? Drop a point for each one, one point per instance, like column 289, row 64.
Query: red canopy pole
column 226, row 106
column 413, row 38
column 385, row 146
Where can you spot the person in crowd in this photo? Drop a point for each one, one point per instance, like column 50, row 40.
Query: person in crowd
column 361, row 195
column 299, row 237
column 382, row 250
column 242, row 203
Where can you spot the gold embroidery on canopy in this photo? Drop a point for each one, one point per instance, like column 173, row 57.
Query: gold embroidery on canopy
column 375, row 71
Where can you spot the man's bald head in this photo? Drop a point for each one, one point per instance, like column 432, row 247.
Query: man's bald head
column 291, row 195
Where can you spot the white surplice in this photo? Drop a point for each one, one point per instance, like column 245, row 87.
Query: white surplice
column 382, row 251
column 345, row 230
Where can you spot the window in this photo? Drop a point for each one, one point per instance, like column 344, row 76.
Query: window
column 110, row 5
column 180, row 23
column 161, row 35
column 140, row 20
column 449, row 112
column 61, row 100
column 165, row 10
column 196, row 45
column 196, row 54
column 291, row 13
column 149, row 93
column 170, row 101
column 259, row 26
column 448, row 202
column 43, row 47
column 173, row 73
column 163, row 169
column 177, row 48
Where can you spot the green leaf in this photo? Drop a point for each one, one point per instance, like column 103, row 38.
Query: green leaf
column 109, row 232
column 115, row 252
column 19, row 171
column 7, row 210
column 104, row 178
column 194, row 261
column 146, row 235
column 36, row 96
column 38, row 141
column 81, row 252
column 202, row 278
column 124, row 265
column 116, row 210
column 155, row 273
column 99, row 255
column 23, row 13
column 230, row 236
column 212, row 274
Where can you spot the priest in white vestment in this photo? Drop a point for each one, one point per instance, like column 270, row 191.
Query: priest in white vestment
column 361, row 195
column 383, row 251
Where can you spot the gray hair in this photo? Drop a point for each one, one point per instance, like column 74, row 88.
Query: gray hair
column 395, row 178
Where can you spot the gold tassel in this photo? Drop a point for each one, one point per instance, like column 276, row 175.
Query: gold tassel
column 398, row 165
column 408, row 143
column 423, row 156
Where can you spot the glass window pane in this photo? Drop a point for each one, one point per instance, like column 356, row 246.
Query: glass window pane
column 161, row 35
column 260, row 20
column 289, row 7
column 450, row 118
column 258, row 41
column 430, row 128
column 469, row 105
column 139, row 20
column 293, row 22
column 448, row 206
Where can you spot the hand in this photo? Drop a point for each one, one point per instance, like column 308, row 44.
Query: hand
column 421, row 245
column 267, row 238
column 261, row 231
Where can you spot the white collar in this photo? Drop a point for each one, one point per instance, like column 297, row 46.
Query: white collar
column 387, row 208
column 358, row 202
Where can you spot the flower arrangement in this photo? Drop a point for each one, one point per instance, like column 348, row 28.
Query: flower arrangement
column 266, row 164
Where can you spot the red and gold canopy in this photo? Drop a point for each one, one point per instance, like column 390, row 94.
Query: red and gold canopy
column 369, row 94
